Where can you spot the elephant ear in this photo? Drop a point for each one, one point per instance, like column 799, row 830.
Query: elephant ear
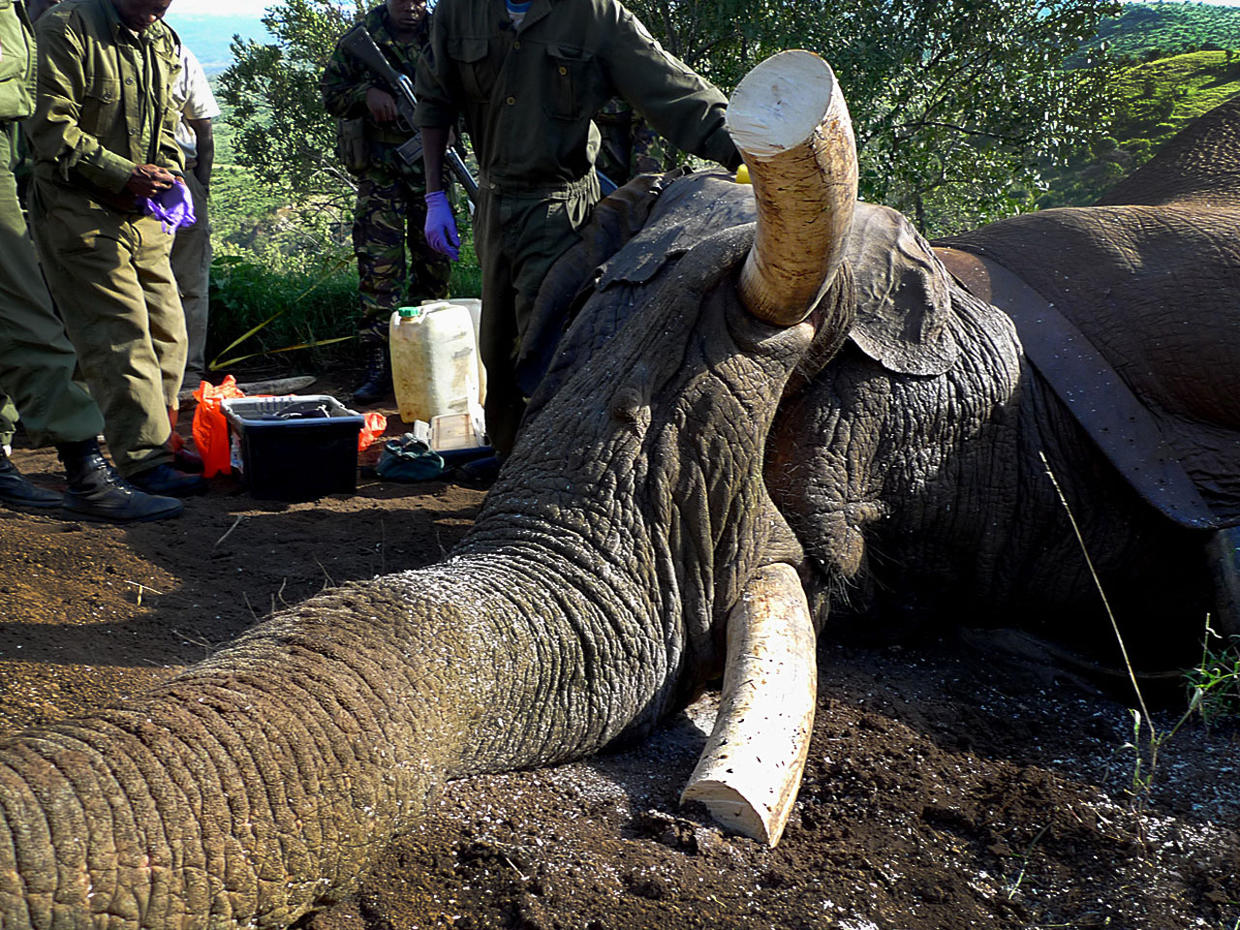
column 1200, row 165
column 682, row 212
column 903, row 295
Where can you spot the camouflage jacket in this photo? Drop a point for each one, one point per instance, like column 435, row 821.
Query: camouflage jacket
column 104, row 97
column 345, row 81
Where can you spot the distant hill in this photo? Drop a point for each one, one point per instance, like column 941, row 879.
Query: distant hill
column 1156, row 30
column 1157, row 99
column 209, row 37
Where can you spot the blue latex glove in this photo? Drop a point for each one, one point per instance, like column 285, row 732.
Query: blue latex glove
column 440, row 228
column 173, row 207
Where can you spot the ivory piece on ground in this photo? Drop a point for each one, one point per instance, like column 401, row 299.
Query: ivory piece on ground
column 789, row 119
column 251, row 388
column 277, row 385
column 750, row 771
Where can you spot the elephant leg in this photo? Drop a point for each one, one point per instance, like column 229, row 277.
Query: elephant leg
column 1223, row 559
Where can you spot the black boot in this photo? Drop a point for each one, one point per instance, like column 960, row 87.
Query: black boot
column 378, row 381
column 165, row 479
column 97, row 492
column 19, row 493
column 479, row 473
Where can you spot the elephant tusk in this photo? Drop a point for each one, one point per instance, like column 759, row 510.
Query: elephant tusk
column 750, row 770
column 789, row 119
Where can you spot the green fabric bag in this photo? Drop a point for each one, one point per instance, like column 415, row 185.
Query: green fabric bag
column 409, row 459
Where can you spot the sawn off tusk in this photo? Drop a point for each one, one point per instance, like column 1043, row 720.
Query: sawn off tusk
column 789, row 119
column 750, row 771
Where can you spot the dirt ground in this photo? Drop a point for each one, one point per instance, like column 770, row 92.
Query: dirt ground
column 944, row 789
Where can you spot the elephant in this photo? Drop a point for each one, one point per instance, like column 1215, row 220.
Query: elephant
column 741, row 384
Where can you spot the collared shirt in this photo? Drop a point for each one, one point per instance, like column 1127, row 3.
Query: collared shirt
column 105, row 96
column 528, row 93
column 191, row 94
column 16, row 62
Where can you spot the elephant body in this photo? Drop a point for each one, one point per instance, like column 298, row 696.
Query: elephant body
column 909, row 464
column 886, row 445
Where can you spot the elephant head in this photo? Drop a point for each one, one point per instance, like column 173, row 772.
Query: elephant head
column 589, row 600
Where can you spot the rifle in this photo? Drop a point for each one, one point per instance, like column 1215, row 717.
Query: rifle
column 361, row 44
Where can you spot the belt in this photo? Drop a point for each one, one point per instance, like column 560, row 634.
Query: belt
column 562, row 191
column 1118, row 422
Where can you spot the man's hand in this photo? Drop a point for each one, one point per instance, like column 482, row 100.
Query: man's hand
column 381, row 104
column 149, row 180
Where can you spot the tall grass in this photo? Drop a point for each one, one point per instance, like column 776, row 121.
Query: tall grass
column 299, row 306
column 1216, row 678
column 284, row 280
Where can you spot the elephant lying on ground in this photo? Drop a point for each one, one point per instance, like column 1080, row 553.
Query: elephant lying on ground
column 876, row 427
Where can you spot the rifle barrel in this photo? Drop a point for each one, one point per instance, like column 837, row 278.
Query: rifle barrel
column 362, row 44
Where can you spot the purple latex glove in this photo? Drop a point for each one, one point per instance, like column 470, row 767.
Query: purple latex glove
column 173, row 207
column 440, row 228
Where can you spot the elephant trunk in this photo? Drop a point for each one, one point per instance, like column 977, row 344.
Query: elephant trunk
column 791, row 124
column 255, row 786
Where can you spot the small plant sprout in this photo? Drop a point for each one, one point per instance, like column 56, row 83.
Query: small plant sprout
column 1214, row 683
column 1145, row 748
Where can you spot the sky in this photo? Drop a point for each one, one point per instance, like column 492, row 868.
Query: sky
column 216, row 8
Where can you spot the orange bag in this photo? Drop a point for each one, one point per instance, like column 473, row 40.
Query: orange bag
column 210, row 428
column 373, row 428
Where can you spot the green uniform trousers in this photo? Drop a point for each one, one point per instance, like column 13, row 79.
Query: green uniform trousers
column 518, row 237
column 110, row 277
column 191, row 266
column 395, row 266
column 37, row 361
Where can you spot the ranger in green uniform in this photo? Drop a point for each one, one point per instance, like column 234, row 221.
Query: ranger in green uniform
column 390, row 210
column 527, row 76
column 36, row 360
column 103, row 138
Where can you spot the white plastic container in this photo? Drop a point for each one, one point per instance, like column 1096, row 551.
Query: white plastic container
column 458, row 432
column 474, row 306
column 434, row 351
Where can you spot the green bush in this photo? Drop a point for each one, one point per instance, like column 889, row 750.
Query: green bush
column 466, row 275
column 285, row 308
column 1105, row 144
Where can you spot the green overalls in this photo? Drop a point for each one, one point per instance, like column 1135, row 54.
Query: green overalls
column 104, row 106
column 527, row 95
column 36, row 360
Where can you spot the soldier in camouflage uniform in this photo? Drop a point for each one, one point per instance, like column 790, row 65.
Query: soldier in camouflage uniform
column 629, row 146
column 390, row 208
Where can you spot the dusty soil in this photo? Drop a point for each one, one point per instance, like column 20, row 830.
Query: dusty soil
column 944, row 789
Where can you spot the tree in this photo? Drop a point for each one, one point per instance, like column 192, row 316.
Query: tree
column 959, row 106
column 282, row 130
column 723, row 39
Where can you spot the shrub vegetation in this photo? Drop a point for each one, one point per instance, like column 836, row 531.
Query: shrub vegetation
column 965, row 111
